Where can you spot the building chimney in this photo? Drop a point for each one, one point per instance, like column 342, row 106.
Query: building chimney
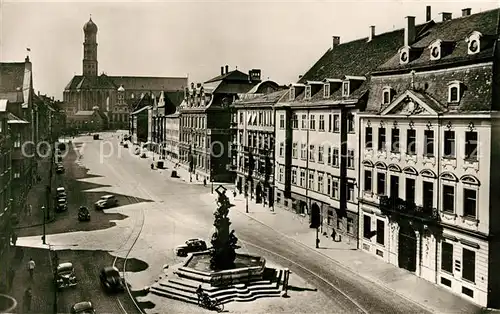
column 336, row 41
column 371, row 34
column 409, row 30
column 428, row 13
column 227, row 69
column 446, row 16
column 466, row 12
column 222, row 70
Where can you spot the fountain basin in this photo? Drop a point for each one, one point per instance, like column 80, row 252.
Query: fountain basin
column 7, row 304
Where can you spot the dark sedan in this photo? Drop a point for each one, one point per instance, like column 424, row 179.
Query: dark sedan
column 85, row 307
column 111, row 279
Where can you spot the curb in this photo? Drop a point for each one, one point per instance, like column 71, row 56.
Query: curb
column 39, row 224
column 352, row 270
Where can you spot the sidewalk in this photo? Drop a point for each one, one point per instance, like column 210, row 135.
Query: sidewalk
column 400, row 281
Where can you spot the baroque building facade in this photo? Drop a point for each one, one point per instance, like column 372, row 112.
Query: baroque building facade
column 112, row 96
column 429, row 137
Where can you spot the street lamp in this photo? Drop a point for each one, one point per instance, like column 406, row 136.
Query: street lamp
column 246, row 197
column 43, row 235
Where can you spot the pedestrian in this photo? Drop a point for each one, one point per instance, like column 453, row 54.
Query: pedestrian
column 204, row 182
column 29, row 210
column 334, row 235
column 28, row 295
column 14, row 239
column 31, row 267
column 12, row 274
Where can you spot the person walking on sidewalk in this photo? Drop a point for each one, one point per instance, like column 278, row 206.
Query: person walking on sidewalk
column 12, row 274
column 31, row 267
column 28, row 295
column 29, row 209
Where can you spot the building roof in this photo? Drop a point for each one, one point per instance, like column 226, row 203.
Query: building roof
column 454, row 32
column 133, row 83
column 260, row 99
column 11, row 76
column 84, row 113
column 234, row 75
column 12, row 119
column 141, row 110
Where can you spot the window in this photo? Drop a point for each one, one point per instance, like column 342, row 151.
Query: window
column 330, row 122
column 320, row 182
column 411, row 142
column 281, row 170
column 350, row 123
column 380, row 183
column 335, row 160
column 329, row 185
column 312, row 122
column 311, row 152
column 294, row 175
column 308, row 92
column 303, row 151
column 336, row 123
column 241, row 118
column 368, row 137
column 350, row 192
column 350, row 159
column 428, row 194
column 447, row 257
column 380, row 232
column 17, row 175
column 326, row 90
column 394, row 187
column 294, row 150
column 329, row 156
column 470, row 203
column 471, row 145
column 449, row 144
column 395, row 141
column 295, row 121
column 367, row 226
column 368, row 180
column 345, row 89
column 311, row 180
column 410, row 190
column 448, row 198
column 335, row 189
column 17, row 141
column 386, row 97
column 304, row 122
column 381, row 139
column 321, row 122
column 282, row 149
column 469, row 265
column 329, row 217
column 429, row 143
column 282, row 121
column 350, row 225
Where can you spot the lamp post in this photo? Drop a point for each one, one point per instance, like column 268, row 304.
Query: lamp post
column 43, row 235
column 246, row 197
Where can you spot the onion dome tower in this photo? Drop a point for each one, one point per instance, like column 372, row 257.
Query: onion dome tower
column 90, row 49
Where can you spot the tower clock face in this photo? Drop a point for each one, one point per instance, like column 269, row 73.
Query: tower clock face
column 404, row 56
column 435, row 52
column 473, row 46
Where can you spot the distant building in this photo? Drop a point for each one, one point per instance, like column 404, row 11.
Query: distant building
column 172, row 136
column 205, row 123
column 112, row 95
column 139, row 120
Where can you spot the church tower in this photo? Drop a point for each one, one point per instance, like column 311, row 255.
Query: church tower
column 90, row 49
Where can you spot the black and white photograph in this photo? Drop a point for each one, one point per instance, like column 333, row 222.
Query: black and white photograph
column 249, row 157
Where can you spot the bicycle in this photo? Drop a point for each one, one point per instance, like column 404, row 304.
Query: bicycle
column 210, row 304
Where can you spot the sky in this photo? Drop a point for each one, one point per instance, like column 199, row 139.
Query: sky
column 195, row 38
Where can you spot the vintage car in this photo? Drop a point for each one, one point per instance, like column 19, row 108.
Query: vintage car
column 65, row 276
column 111, row 279
column 85, row 307
column 106, row 201
column 83, row 214
column 60, row 192
column 191, row 246
column 61, row 205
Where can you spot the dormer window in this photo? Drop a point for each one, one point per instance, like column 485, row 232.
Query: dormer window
column 440, row 48
column 326, row 90
column 308, row 92
column 386, row 95
column 291, row 95
column 474, row 43
column 404, row 55
column 345, row 89
column 454, row 92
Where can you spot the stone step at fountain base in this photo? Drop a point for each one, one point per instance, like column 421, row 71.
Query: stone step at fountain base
column 185, row 290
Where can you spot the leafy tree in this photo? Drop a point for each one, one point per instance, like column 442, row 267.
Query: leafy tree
column 224, row 241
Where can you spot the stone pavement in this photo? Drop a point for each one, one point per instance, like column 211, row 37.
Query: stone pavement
column 345, row 254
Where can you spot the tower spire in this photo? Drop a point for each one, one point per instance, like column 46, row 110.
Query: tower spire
column 90, row 65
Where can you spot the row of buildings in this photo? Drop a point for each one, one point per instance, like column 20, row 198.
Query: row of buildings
column 388, row 140
column 27, row 119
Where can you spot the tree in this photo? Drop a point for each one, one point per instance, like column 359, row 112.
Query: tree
column 224, row 242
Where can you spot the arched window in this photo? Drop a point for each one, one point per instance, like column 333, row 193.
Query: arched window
column 411, row 171
column 368, row 163
column 448, row 176
column 428, row 173
column 394, row 168
column 381, row 165
column 469, row 179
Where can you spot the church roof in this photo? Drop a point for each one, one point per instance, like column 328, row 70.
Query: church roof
column 129, row 83
column 90, row 27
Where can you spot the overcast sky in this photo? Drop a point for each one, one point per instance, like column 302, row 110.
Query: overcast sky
column 195, row 38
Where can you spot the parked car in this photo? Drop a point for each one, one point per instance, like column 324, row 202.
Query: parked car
column 106, row 201
column 65, row 276
column 59, row 169
column 191, row 245
column 60, row 192
column 96, row 136
column 111, row 279
column 83, row 214
column 61, row 205
column 85, row 307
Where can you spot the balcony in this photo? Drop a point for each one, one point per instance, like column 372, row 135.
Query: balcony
column 396, row 207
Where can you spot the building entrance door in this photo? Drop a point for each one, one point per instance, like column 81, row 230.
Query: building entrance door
column 407, row 248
